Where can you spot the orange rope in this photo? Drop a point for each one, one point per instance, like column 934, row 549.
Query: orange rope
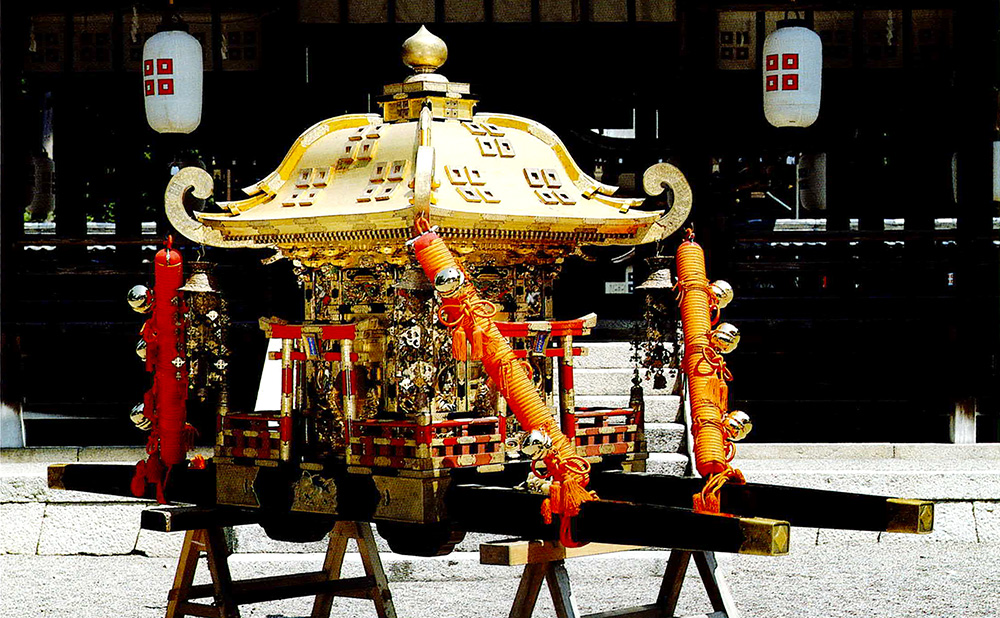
column 707, row 375
column 467, row 313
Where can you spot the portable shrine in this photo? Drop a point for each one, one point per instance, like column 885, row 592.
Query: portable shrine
column 426, row 386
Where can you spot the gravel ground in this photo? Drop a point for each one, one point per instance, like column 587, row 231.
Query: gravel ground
column 904, row 580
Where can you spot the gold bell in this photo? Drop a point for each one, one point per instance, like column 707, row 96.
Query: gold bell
column 201, row 279
column 140, row 298
column 738, row 425
column 723, row 292
column 448, row 281
column 139, row 418
column 725, row 337
column 660, row 279
column 536, row 443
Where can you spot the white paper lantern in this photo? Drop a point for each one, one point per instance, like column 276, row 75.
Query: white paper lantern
column 171, row 81
column 793, row 70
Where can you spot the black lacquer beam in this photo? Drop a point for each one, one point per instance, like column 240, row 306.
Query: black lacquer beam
column 816, row 508
column 175, row 518
column 187, row 485
column 501, row 510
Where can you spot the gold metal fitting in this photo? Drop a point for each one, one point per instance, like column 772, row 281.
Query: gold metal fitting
column 764, row 537
column 140, row 350
column 723, row 292
column 738, row 425
column 725, row 337
column 912, row 516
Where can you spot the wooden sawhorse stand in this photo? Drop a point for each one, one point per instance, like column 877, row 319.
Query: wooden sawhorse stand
column 326, row 584
column 546, row 561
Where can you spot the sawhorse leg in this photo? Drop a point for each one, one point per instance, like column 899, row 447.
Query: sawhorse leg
column 379, row 591
column 212, row 542
column 326, row 584
column 554, row 573
column 718, row 592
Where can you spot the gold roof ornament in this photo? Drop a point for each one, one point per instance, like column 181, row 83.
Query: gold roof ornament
column 424, row 53
column 351, row 187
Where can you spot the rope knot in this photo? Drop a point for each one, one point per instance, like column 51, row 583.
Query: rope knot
column 717, row 362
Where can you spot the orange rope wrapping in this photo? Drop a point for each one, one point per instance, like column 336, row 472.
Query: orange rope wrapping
column 707, row 375
column 465, row 311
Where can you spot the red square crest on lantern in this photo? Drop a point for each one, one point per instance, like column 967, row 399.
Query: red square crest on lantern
column 771, row 62
column 771, row 83
column 165, row 66
column 147, row 67
column 790, row 81
column 149, row 88
column 165, row 86
column 789, row 61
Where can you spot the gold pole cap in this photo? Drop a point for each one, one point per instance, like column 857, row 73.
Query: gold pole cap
column 424, row 53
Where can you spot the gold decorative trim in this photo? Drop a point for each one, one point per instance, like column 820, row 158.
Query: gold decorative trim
column 201, row 185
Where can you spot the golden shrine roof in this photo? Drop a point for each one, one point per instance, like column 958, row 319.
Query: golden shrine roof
column 355, row 184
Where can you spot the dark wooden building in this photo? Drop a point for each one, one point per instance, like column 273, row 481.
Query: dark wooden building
column 863, row 249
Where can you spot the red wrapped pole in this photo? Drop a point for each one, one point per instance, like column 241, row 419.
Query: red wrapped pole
column 165, row 402
column 171, row 368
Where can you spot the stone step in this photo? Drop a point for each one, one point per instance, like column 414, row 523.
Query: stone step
column 616, row 382
column 665, row 437
column 607, row 355
column 671, row 464
column 659, row 408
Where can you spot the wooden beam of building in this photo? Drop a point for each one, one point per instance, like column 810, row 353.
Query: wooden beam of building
column 801, row 507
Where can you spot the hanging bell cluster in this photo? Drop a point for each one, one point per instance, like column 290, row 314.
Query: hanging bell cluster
column 207, row 324
column 724, row 338
column 140, row 299
column 654, row 348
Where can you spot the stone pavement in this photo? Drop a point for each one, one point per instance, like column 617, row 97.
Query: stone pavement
column 71, row 554
column 908, row 579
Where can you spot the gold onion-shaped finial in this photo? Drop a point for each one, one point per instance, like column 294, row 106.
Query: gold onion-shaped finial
column 423, row 52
